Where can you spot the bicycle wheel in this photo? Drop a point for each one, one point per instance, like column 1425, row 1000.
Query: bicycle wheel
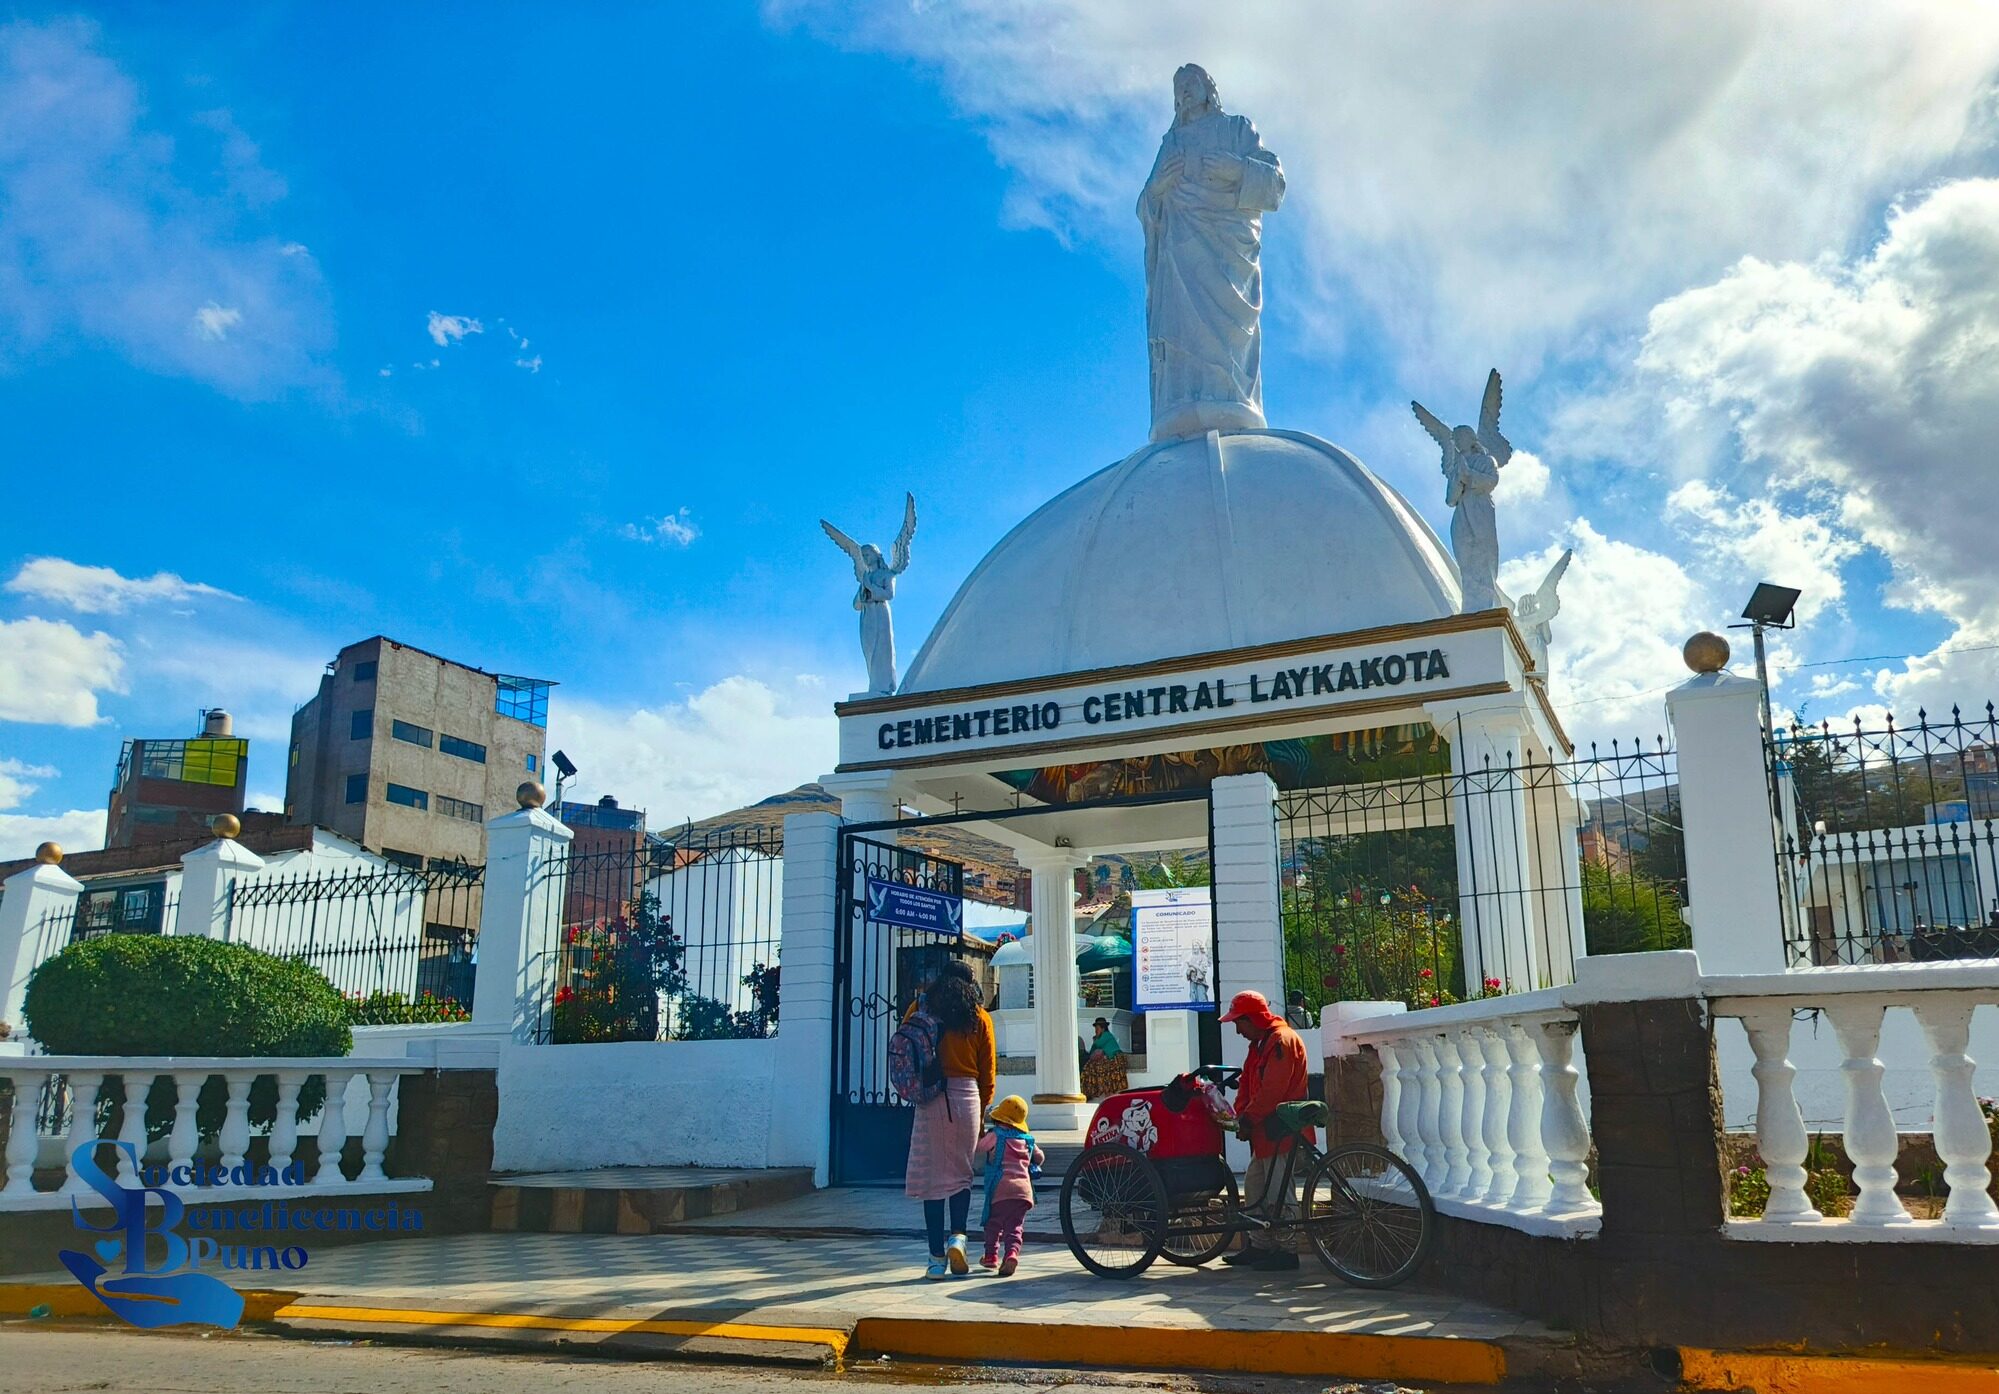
column 1369, row 1215
column 1114, row 1210
column 1206, row 1212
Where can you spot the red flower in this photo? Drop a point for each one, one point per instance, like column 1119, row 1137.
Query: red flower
column 1426, row 973
column 1436, row 1001
column 1340, row 949
column 564, row 994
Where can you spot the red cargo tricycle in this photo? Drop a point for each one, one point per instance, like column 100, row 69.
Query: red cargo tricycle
column 1152, row 1182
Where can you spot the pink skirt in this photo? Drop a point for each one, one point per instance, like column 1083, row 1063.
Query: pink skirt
column 942, row 1142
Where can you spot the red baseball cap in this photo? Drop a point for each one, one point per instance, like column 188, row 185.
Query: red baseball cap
column 1251, row 1006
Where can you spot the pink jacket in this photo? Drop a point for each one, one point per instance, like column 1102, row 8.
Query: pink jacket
column 1014, row 1182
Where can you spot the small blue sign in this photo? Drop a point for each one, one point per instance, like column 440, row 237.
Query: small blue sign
column 915, row 907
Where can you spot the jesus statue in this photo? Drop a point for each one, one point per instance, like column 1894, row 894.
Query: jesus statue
column 1203, row 210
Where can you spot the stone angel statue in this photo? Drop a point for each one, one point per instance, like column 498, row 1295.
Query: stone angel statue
column 877, row 577
column 1535, row 613
column 1471, row 464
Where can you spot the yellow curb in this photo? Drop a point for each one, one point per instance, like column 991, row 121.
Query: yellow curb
column 68, row 1300
column 1835, row 1374
column 831, row 1337
column 1358, row 1356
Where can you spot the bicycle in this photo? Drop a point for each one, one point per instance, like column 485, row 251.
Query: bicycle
column 1152, row 1182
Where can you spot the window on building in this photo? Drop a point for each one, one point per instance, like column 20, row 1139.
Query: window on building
column 530, row 764
column 458, row 808
column 199, row 761
column 412, row 860
column 364, row 671
column 362, row 727
column 294, row 763
column 357, row 788
column 408, row 797
column 464, row 750
column 524, row 699
column 414, row 734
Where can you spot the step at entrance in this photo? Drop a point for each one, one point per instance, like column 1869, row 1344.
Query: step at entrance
column 635, row 1200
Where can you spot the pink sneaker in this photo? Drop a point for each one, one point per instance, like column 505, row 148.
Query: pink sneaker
column 1008, row 1268
column 989, row 1261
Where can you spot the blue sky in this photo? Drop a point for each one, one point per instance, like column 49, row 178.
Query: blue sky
column 734, row 269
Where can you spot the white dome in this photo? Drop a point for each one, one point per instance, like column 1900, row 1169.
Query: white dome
column 1184, row 548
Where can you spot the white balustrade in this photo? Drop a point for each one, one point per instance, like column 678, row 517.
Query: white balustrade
column 35, row 1077
column 1482, row 1098
column 1857, row 1002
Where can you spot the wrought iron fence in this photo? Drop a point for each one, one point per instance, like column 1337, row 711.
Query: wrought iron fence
column 393, row 930
column 673, row 939
column 1383, row 900
column 1889, row 838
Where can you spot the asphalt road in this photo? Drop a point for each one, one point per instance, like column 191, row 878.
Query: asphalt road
column 55, row 1360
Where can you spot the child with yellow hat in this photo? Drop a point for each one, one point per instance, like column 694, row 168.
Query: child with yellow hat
column 1012, row 1162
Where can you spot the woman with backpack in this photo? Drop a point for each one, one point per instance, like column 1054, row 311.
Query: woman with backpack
column 960, row 1064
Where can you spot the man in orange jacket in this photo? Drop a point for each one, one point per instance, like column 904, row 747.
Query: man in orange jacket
column 1275, row 1073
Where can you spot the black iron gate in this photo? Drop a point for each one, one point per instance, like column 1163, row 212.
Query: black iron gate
column 877, row 969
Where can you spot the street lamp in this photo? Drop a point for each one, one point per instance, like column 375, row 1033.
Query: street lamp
column 565, row 768
column 1770, row 607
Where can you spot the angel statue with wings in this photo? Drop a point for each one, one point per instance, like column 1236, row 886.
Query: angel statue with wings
column 877, row 577
column 1535, row 613
column 1472, row 460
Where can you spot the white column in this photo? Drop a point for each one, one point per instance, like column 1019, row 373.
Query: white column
column 1531, row 1186
column 35, row 899
column 1492, row 817
column 800, row 1134
column 520, row 919
column 1249, row 921
column 1962, row 1140
column 867, row 797
column 1780, row 1125
column 1058, row 1100
column 1564, row 1130
column 1434, row 1165
column 1471, row 1049
column 1451, row 1115
column 1731, row 842
column 205, row 877
column 1870, row 1137
column 1498, row 1115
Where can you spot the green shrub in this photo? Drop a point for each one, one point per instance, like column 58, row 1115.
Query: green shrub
column 394, row 1009
column 143, row 994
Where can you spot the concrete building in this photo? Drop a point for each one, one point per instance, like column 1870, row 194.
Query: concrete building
column 409, row 754
column 168, row 789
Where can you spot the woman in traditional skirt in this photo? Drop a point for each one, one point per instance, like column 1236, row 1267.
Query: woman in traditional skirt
column 1104, row 1070
column 947, row 1128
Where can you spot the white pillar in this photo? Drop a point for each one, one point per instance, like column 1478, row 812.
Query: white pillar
column 800, row 1128
column 205, row 876
column 34, row 901
column 1499, row 916
column 520, row 918
column 1731, row 844
column 867, row 797
column 1249, row 914
column 1058, row 1101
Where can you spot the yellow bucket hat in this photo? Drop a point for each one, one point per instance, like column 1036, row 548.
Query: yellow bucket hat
column 1012, row 1111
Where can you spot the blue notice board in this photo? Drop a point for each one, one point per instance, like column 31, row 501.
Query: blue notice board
column 915, row 907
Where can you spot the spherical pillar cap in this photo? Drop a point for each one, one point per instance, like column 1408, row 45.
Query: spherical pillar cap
column 530, row 794
column 225, row 825
column 49, row 854
column 1706, row 652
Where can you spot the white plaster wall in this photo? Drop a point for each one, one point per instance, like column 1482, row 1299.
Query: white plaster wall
column 636, row 1103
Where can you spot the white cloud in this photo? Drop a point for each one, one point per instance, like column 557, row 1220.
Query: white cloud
column 1625, row 613
column 105, row 242
column 265, row 803
column 51, row 672
column 212, row 321
column 1805, row 550
column 79, row 830
column 674, row 530
column 533, row 365
column 99, row 590
column 1866, row 384
column 1476, row 182
column 731, row 744
column 16, row 781
column 259, row 682
column 1524, row 480
column 445, row 330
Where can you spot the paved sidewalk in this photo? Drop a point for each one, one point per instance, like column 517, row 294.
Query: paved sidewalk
column 869, row 1293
